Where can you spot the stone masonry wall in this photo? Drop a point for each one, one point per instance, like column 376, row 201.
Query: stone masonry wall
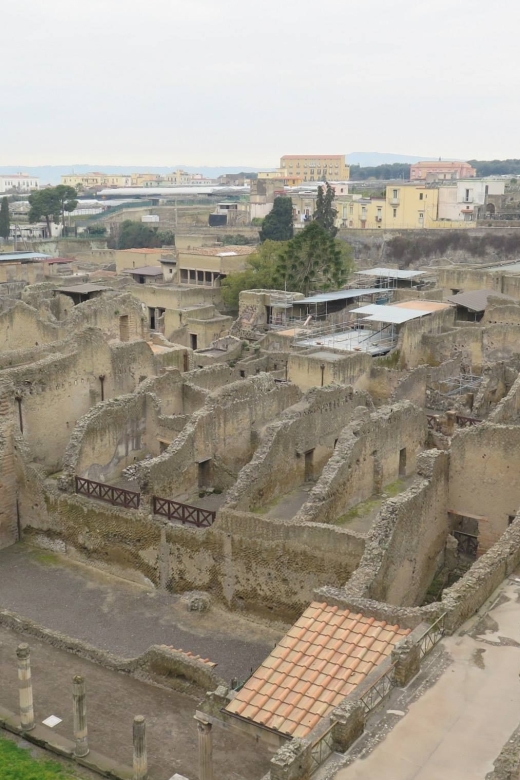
column 366, row 458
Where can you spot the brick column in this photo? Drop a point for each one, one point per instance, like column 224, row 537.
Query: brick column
column 79, row 716
column 348, row 724
column 205, row 749
column 23, row 654
column 407, row 659
column 140, row 760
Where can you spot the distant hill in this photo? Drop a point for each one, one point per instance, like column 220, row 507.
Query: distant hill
column 372, row 159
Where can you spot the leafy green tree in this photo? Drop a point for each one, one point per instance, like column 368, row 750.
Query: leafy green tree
column 4, row 218
column 44, row 205
column 278, row 224
column 136, row 235
column 51, row 204
column 312, row 260
column 261, row 273
column 67, row 199
column 325, row 214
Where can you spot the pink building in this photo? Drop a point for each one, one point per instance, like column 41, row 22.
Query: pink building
column 441, row 171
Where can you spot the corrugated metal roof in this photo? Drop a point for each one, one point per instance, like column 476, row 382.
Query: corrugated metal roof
column 6, row 257
column 339, row 295
column 391, row 273
column 475, row 300
column 390, row 314
column 324, row 656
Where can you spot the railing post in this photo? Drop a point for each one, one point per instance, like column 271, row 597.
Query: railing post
column 140, row 760
column 79, row 716
column 23, row 654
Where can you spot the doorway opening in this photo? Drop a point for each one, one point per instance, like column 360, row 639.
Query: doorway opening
column 193, row 340
column 309, row 466
column 205, row 474
column 402, row 462
column 124, row 328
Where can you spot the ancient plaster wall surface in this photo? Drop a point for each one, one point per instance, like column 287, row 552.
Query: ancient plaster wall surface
column 8, row 491
column 403, row 547
column 22, row 328
column 279, row 463
column 365, row 459
column 501, row 313
column 56, row 391
column 412, row 387
column 485, row 478
column 508, row 410
column 225, row 431
column 352, row 369
column 264, row 566
column 163, row 297
column 464, row 344
column 410, row 339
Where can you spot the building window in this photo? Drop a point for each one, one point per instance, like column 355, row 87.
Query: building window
column 395, row 212
column 395, row 193
column 421, row 196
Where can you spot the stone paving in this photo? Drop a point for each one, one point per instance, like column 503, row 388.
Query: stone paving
column 125, row 618
column 458, row 726
column 112, row 701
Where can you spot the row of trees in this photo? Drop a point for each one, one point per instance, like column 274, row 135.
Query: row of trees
column 136, row 235
column 312, row 260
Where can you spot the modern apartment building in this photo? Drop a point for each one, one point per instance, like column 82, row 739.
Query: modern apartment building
column 20, row 182
column 316, row 167
column 441, row 171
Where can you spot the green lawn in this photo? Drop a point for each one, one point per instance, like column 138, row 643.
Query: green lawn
column 18, row 764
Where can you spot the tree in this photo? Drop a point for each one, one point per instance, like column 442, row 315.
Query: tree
column 66, row 198
column 278, row 224
column 44, row 204
column 4, row 219
column 51, row 204
column 136, row 235
column 312, row 260
column 325, row 213
column 261, row 273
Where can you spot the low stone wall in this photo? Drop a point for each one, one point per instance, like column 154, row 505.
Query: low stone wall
column 159, row 664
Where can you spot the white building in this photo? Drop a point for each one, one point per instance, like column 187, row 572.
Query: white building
column 461, row 201
column 20, row 182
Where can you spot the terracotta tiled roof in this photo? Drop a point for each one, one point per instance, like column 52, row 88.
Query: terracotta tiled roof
column 189, row 654
column 323, row 657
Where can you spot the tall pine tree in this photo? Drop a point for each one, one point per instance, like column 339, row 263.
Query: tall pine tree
column 4, row 219
column 325, row 213
column 278, row 224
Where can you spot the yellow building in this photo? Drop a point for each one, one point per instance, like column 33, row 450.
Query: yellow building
column 281, row 175
column 361, row 213
column 145, row 180
column 137, row 258
column 207, row 266
column 84, row 180
column 316, row 167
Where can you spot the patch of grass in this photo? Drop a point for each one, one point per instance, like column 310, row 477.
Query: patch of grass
column 391, row 360
column 45, row 557
column 360, row 510
column 18, row 764
column 394, row 488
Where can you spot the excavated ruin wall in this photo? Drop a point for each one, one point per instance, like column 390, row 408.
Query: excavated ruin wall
column 225, row 431
column 279, row 463
column 261, row 565
column 405, row 542
column 366, row 458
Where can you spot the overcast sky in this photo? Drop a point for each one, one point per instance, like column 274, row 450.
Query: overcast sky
column 241, row 82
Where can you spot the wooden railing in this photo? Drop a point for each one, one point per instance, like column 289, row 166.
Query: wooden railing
column 185, row 513
column 112, row 495
column 467, row 544
column 466, row 422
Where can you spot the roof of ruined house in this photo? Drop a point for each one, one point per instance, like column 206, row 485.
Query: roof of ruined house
column 84, row 289
column 219, row 251
column 145, row 270
column 476, row 300
column 324, row 656
column 422, row 305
